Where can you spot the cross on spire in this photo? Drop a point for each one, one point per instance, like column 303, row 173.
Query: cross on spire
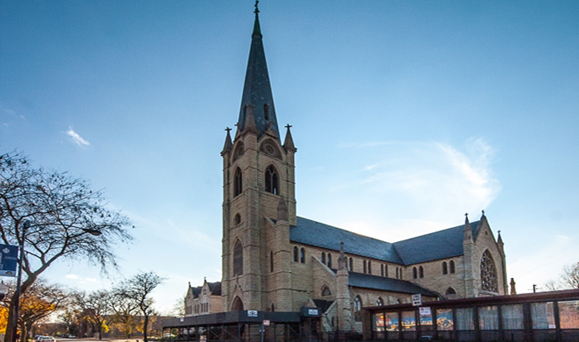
column 256, row 9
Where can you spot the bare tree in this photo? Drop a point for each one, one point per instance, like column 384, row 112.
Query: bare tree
column 570, row 276
column 179, row 307
column 68, row 219
column 569, row 279
column 138, row 289
column 96, row 306
column 124, row 310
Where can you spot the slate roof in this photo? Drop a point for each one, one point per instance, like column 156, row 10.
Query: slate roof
column 434, row 246
column 442, row 244
column 257, row 88
column 323, row 305
column 215, row 288
column 386, row 284
column 317, row 234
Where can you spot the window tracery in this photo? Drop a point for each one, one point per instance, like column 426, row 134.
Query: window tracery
column 237, row 183
column 271, row 180
column 237, row 259
column 488, row 273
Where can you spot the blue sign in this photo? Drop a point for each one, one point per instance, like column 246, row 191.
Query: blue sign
column 8, row 260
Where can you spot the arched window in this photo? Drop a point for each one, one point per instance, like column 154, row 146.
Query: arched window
column 369, row 267
column 365, row 267
column 351, row 264
column 358, row 309
column 451, row 266
column 323, row 258
column 303, row 255
column 326, row 291
column 237, row 259
column 329, row 260
column 237, row 183
column 488, row 273
column 444, row 267
column 266, row 112
column 296, row 258
column 397, row 273
column 382, row 269
column 272, row 307
column 271, row 181
column 450, row 291
column 379, row 301
column 386, row 271
column 414, row 273
column 237, row 219
column 271, row 261
column 421, row 272
column 237, row 304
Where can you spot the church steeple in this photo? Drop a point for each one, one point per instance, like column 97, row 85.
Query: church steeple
column 257, row 89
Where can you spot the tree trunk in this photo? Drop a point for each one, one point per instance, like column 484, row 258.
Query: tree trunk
column 145, row 324
column 9, row 337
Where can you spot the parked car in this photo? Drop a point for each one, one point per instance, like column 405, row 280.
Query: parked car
column 45, row 339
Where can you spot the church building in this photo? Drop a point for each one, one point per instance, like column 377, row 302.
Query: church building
column 276, row 261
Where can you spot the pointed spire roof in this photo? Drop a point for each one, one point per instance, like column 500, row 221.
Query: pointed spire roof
column 257, row 89
column 228, row 144
column 289, row 141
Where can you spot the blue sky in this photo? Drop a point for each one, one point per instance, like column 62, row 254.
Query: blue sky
column 406, row 115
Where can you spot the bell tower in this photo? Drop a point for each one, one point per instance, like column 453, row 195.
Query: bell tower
column 258, row 196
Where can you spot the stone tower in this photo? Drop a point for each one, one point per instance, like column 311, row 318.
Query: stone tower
column 258, row 197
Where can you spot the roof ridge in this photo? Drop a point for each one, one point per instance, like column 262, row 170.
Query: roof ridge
column 435, row 232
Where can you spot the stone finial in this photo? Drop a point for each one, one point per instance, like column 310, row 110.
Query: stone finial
column 282, row 214
column 513, row 288
column 342, row 260
column 467, row 228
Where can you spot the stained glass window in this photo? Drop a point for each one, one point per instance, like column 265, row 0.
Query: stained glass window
column 488, row 273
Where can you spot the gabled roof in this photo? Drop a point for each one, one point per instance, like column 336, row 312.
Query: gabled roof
column 196, row 291
column 367, row 281
column 442, row 244
column 317, row 234
column 215, row 288
column 434, row 246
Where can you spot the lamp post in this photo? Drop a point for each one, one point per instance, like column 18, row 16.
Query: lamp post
column 25, row 227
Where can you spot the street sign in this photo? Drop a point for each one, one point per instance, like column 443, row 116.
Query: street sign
column 416, row 299
column 8, row 260
column 251, row 313
column 266, row 322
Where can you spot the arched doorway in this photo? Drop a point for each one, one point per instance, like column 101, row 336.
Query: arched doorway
column 237, row 305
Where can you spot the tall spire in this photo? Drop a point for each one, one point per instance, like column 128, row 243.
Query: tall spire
column 257, row 88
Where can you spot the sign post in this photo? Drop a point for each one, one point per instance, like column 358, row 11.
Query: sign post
column 416, row 300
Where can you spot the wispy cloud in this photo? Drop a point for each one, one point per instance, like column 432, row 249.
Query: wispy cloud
column 77, row 139
column 71, row 276
column 416, row 188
